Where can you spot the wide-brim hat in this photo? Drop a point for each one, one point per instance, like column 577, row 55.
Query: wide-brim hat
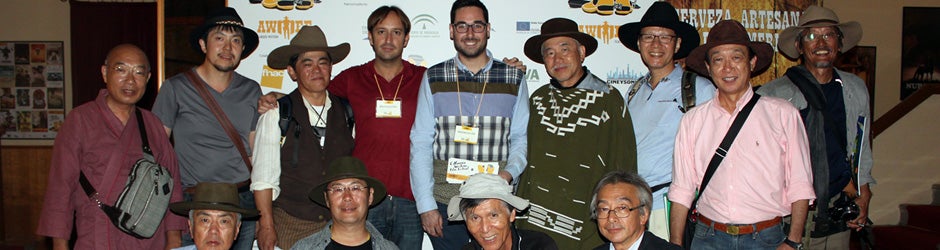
column 224, row 16
column 213, row 196
column 730, row 32
column 347, row 167
column 556, row 27
column 484, row 186
column 661, row 14
column 816, row 16
column 309, row 38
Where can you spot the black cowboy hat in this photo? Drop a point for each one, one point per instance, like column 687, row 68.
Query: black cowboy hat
column 661, row 14
column 224, row 16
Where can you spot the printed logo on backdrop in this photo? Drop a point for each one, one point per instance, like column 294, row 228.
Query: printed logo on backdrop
column 272, row 78
column 623, row 76
column 280, row 28
column 287, row 5
column 762, row 25
column 532, row 75
column 424, row 26
column 528, row 27
column 603, row 32
column 605, row 7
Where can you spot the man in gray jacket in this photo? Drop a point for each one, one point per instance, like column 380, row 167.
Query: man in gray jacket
column 835, row 110
column 348, row 191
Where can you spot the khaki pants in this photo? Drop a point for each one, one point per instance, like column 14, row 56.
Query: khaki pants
column 291, row 229
column 836, row 241
column 659, row 225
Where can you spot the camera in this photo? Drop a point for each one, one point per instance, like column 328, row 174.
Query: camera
column 843, row 209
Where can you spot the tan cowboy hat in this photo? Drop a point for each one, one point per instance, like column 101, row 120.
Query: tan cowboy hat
column 729, row 32
column 224, row 16
column 347, row 167
column 213, row 196
column 309, row 38
column 661, row 14
column 816, row 16
column 556, row 27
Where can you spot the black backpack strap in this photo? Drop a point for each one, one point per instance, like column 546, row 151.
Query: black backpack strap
column 350, row 119
column 287, row 115
column 688, row 90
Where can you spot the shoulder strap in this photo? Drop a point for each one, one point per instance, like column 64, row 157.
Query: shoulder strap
column 688, row 90
column 219, row 114
column 725, row 146
column 633, row 89
column 145, row 145
column 813, row 95
column 286, row 108
column 350, row 119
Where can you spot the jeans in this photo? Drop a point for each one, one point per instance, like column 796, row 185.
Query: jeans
column 398, row 220
column 707, row 237
column 455, row 232
column 246, row 233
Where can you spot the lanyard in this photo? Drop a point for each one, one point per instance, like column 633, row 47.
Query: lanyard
column 459, row 103
column 380, row 87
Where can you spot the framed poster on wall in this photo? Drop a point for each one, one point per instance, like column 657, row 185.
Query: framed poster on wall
column 32, row 89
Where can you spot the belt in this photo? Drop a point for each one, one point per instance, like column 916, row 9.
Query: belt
column 739, row 229
column 243, row 186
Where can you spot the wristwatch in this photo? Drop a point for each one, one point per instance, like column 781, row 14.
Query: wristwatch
column 794, row 245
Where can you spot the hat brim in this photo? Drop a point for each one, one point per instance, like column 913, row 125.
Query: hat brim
column 183, row 208
column 851, row 36
column 279, row 58
column 630, row 32
column 250, row 38
column 453, row 207
column 763, row 51
column 533, row 46
column 317, row 194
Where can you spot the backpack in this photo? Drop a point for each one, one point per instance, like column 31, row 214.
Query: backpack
column 688, row 91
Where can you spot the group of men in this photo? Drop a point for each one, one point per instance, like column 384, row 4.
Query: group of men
column 426, row 163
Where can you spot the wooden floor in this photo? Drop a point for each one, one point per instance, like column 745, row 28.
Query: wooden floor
column 24, row 171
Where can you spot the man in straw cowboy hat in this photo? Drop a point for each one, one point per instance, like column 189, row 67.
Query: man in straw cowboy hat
column 765, row 173
column 289, row 160
column 663, row 96
column 214, row 215
column 348, row 191
column 835, row 110
column 487, row 205
column 576, row 110
column 207, row 153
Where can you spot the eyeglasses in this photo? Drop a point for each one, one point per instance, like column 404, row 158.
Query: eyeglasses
column 478, row 27
column 826, row 37
column 339, row 189
column 620, row 212
column 124, row 70
column 648, row 38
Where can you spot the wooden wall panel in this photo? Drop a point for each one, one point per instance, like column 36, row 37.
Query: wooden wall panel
column 25, row 171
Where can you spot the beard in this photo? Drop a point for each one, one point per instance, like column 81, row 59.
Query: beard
column 225, row 68
column 471, row 53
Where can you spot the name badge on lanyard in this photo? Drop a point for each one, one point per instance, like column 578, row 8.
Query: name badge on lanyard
column 458, row 170
column 466, row 134
column 388, row 108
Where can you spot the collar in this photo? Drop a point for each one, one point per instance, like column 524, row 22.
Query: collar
column 676, row 73
column 835, row 74
column 738, row 105
column 557, row 84
column 489, row 64
column 634, row 246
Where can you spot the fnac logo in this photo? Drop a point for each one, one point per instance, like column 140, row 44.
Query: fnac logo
column 286, row 5
column 606, row 7
column 272, row 78
column 286, row 28
column 603, row 32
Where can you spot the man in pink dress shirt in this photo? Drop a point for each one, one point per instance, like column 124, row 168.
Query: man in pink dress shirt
column 765, row 175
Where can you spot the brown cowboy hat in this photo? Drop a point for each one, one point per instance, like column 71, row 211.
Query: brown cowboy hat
column 661, row 14
column 224, row 16
column 309, row 38
column 213, row 196
column 347, row 167
column 730, row 32
column 556, row 27
column 816, row 16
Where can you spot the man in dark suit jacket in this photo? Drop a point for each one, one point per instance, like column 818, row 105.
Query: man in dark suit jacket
column 621, row 205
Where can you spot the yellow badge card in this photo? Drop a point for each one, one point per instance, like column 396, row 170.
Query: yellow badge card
column 466, row 134
column 458, row 170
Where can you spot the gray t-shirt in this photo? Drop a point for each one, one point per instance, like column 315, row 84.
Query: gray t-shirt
column 204, row 150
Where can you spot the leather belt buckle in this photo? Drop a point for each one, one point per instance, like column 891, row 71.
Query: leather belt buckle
column 733, row 230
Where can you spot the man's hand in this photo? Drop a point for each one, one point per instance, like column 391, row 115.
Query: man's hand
column 432, row 223
column 515, row 63
column 267, row 238
column 863, row 200
column 268, row 102
column 506, row 176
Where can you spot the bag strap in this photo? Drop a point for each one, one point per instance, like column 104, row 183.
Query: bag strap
column 725, row 147
column 633, row 89
column 688, row 90
column 219, row 114
column 145, row 145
